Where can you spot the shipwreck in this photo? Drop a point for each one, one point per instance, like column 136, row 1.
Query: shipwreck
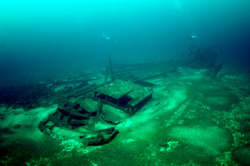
column 110, row 103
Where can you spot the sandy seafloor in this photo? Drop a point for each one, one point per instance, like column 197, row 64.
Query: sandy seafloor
column 192, row 119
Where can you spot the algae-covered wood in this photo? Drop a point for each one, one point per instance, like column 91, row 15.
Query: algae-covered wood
column 116, row 89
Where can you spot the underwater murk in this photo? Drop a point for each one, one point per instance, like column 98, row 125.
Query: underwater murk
column 128, row 82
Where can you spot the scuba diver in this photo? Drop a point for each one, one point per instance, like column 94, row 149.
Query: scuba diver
column 108, row 39
column 193, row 52
column 195, row 41
column 193, row 37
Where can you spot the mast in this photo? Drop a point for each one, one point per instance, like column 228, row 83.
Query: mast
column 112, row 76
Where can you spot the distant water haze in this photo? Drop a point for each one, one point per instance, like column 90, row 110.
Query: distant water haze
column 43, row 35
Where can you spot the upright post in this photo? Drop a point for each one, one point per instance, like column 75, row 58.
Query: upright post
column 111, row 70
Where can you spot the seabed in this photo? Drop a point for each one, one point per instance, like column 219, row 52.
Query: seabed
column 192, row 119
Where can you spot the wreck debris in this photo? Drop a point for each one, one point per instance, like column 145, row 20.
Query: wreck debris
column 100, row 137
column 213, row 72
column 111, row 104
column 70, row 115
column 201, row 58
column 204, row 58
column 123, row 95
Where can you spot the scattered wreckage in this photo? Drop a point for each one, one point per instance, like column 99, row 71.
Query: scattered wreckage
column 110, row 103
column 120, row 96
